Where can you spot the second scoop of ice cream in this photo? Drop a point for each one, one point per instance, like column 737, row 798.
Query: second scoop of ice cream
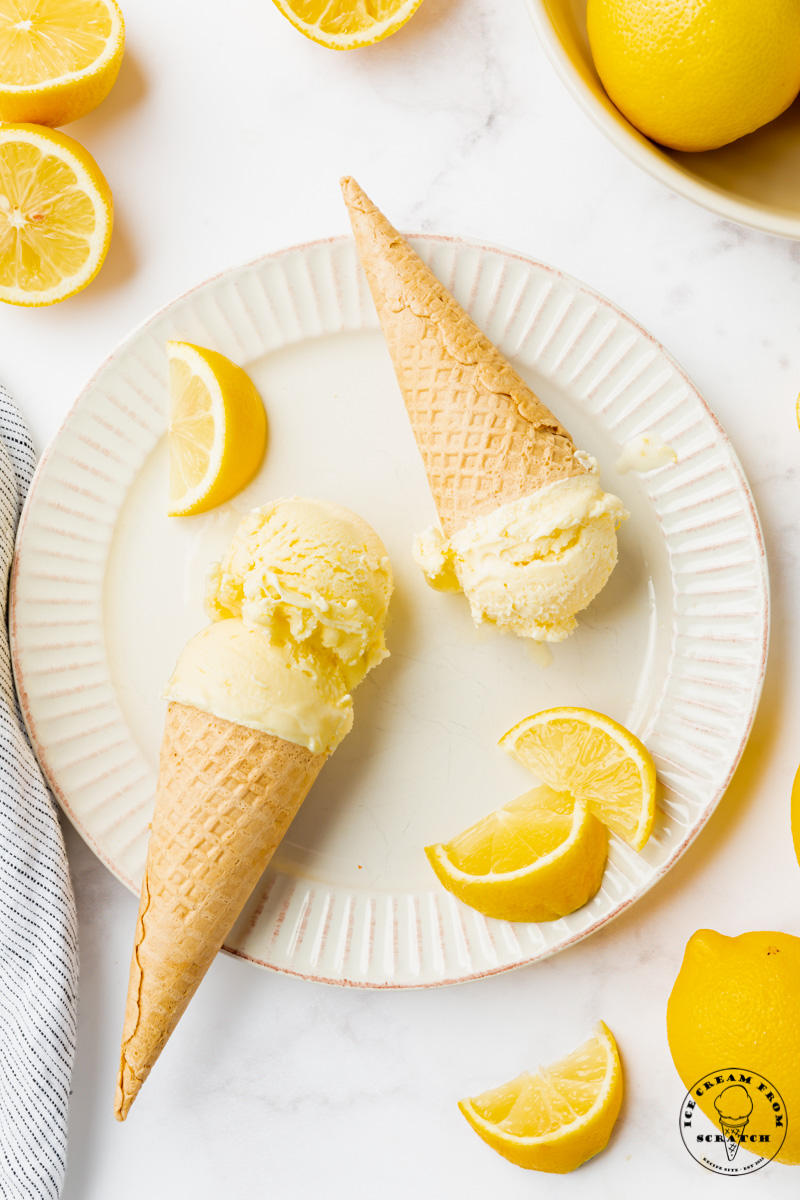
column 310, row 574
column 298, row 605
column 236, row 673
column 530, row 566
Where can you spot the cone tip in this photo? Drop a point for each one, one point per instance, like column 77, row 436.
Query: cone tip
column 125, row 1097
column 351, row 190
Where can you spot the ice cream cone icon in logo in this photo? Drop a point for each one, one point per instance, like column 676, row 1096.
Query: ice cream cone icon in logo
column 734, row 1107
column 733, row 1121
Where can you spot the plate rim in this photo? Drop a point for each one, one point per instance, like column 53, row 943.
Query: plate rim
column 761, row 562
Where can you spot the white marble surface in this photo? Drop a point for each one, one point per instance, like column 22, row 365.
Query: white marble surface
column 224, row 138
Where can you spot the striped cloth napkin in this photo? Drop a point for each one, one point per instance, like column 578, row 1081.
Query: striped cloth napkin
column 38, row 929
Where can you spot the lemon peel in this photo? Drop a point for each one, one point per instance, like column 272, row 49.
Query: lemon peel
column 217, row 429
column 557, row 1119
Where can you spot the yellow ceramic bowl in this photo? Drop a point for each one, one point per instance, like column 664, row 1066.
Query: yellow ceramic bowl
column 755, row 181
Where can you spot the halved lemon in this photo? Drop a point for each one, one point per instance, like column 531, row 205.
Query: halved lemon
column 536, row 859
column 217, row 429
column 557, row 1119
column 58, row 58
column 56, row 214
column 346, row 24
column 596, row 760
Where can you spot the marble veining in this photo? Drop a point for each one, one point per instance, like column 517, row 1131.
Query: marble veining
column 458, row 125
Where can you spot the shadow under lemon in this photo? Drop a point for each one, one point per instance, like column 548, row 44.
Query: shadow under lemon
column 762, row 168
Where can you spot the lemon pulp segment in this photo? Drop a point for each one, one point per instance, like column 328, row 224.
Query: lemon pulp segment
column 594, row 758
column 217, row 429
column 55, row 216
column 514, row 836
column 191, row 429
column 58, row 58
column 41, row 40
column 536, row 859
column 346, row 24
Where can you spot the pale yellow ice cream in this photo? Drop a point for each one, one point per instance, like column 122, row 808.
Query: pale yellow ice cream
column 645, row 453
column 236, row 673
column 298, row 606
column 528, row 567
column 310, row 573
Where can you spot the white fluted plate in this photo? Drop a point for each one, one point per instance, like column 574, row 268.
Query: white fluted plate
column 107, row 590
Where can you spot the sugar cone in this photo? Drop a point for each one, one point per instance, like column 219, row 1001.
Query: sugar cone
column 485, row 438
column 226, row 795
column 732, row 1132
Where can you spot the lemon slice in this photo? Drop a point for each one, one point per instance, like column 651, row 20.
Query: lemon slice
column 346, row 24
column 58, row 58
column 536, row 859
column 217, row 429
column 557, row 1119
column 56, row 215
column 595, row 759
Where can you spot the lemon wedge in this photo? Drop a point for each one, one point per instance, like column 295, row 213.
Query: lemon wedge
column 58, row 58
column 557, row 1119
column 536, row 859
column 346, row 24
column 217, row 429
column 56, row 215
column 596, row 760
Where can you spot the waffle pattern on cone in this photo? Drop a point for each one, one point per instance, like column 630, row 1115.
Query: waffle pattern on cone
column 226, row 795
column 485, row 437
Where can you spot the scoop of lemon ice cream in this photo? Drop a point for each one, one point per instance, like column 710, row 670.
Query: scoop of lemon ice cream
column 238, row 674
column 528, row 567
column 298, row 605
column 310, row 574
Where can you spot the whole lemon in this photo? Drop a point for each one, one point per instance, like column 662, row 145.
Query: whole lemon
column 696, row 74
column 736, row 1003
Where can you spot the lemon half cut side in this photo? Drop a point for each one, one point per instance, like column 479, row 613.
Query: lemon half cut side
column 348, row 24
column 58, row 58
column 56, row 215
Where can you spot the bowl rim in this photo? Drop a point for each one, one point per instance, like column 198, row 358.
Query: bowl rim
column 646, row 154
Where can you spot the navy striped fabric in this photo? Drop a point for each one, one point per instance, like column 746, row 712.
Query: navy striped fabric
column 38, row 928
